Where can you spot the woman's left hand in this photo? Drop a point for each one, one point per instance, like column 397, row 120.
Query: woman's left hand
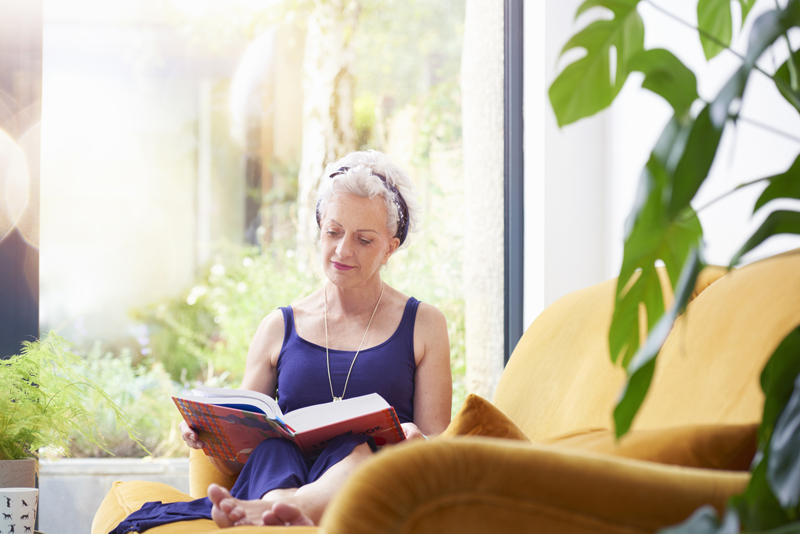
column 412, row 431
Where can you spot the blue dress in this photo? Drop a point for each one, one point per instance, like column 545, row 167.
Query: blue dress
column 387, row 369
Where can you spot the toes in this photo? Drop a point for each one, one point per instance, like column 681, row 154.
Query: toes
column 227, row 505
column 288, row 514
column 270, row 519
column 236, row 514
column 217, row 493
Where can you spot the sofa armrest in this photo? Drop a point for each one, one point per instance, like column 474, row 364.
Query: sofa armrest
column 202, row 473
column 476, row 485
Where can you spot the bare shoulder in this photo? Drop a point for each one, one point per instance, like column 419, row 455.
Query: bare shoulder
column 262, row 358
column 430, row 317
column 430, row 333
column 268, row 340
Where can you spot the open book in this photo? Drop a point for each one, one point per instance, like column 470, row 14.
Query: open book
column 232, row 422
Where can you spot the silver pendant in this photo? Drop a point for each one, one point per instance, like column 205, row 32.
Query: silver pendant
column 337, row 399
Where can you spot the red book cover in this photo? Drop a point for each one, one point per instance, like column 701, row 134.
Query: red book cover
column 229, row 433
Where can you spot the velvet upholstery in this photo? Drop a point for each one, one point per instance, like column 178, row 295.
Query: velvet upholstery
column 688, row 446
column 479, row 484
column 728, row 447
column 478, row 417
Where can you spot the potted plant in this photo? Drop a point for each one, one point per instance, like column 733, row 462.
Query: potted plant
column 43, row 399
column 663, row 226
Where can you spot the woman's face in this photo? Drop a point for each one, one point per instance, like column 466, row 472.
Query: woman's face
column 355, row 242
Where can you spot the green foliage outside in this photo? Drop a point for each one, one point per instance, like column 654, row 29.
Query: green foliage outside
column 663, row 226
column 45, row 400
column 142, row 391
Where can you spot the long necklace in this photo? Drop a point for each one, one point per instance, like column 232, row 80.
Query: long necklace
column 327, row 356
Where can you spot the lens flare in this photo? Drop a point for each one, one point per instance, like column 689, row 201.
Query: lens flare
column 14, row 184
column 28, row 223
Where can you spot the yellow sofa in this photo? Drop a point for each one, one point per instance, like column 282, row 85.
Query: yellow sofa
column 541, row 458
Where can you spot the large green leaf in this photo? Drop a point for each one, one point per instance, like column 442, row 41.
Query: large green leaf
column 778, row 222
column 652, row 234
column 783, row 464
column 587, row 85
column 786, row 185
column 668, row 77
column 777, row 382
column 789, row 88
column 747, row 5
column 642, row 366
column 714, row 19
column 758, row 508
column 703, row 521
column 693, row 167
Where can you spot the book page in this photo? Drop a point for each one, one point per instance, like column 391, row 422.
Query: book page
column 332, row 412
column 238, row 397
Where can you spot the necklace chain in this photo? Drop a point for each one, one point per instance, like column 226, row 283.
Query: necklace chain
column 327, row 355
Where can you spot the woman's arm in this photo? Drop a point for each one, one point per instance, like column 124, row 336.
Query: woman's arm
column 260, row 375
column 433, row 386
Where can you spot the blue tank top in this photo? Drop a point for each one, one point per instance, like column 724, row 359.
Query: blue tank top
column 387, row 369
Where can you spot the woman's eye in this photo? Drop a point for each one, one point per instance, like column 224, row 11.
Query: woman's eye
column 365, row 241
column 331, row 233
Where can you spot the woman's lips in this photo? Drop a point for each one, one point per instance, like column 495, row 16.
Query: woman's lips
column 342, row 266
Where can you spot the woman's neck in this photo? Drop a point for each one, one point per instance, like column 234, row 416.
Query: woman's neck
column 356, row 301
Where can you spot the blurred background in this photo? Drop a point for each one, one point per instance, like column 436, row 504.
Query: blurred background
column 181, row 143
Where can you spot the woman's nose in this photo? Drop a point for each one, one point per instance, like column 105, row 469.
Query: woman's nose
column 343, row 248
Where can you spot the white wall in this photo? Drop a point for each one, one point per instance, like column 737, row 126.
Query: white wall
column 564, row 173
column 580, row 181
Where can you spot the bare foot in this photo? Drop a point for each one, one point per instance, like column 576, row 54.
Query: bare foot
column 284, row 514
column 222, row 503
column 230, row 512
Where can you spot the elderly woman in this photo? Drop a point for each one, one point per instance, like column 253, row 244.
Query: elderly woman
column 354, row 336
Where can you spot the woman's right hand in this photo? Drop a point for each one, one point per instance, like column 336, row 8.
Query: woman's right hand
column 190, row 436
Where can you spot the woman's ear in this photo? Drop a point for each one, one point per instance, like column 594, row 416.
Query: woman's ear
column 393, row 244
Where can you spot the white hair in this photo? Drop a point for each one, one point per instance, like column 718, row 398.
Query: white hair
column 360, row 179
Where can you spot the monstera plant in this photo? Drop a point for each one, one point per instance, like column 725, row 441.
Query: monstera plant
column 664, row 227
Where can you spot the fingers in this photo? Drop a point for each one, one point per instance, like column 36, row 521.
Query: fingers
column 190, row 436
column 194, row 443
column 412, row 431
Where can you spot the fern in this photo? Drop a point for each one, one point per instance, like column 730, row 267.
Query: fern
column 43, row 399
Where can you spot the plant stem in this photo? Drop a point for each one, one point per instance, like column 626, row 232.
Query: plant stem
column 790, row 61
column 695, row 28
column 706, row 35
column 724, row 195
column 767, row 127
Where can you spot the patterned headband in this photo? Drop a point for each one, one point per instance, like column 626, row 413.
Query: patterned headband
column 402, row 208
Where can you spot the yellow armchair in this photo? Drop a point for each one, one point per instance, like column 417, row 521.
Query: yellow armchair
column 690, row 444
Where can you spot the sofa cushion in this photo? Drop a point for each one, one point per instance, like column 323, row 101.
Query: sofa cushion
column 560, row 377
column 728, row 447
column 127, row 497
column 708, row 369
column 478, row 417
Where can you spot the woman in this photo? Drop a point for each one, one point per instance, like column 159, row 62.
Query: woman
column 354, row 336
